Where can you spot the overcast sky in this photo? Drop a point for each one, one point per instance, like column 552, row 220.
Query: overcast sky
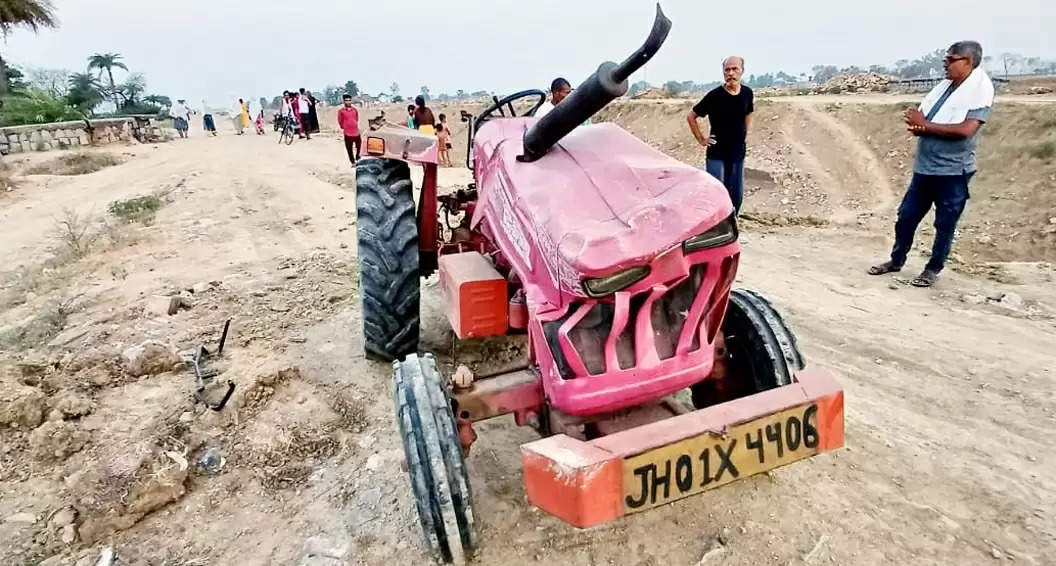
column 222, row 49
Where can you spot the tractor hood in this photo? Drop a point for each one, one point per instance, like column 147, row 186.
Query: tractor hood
column 599, row 202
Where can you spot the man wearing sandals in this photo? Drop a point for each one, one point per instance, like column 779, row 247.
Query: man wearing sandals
column 947, row 126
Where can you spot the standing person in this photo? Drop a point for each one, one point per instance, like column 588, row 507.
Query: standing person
column 447, row 145
column 260, row 123
column 410, row 117
column 313, row 117
column 237, row 119
column 729, row 111
column 947, row 126
column 348, row 121
column 181, row 117
column 244, row 111
column 423, row 117
column 559, row 89
column 444, row 157
column 207, row 119
column 303, row 114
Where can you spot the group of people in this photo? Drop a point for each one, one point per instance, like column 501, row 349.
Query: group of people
column 420, row 117
column 298, row 106
column 181, row 118
column 947, row 125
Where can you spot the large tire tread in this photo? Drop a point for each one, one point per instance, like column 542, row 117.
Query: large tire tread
column 387, row 233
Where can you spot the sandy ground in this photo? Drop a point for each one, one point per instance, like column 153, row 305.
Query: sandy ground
column 950, row 392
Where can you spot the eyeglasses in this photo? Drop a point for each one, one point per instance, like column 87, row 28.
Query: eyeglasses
column 949, row 60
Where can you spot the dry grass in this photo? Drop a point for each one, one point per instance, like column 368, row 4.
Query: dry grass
column 1045, row 150
column 80, row 163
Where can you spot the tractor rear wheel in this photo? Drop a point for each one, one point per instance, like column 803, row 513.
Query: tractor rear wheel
column 387, row 234
column 761, row 351
column 435, row 461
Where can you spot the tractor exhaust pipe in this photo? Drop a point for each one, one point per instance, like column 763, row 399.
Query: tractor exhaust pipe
column 605, row 85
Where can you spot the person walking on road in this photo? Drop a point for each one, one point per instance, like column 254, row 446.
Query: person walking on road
column 348, row 121
column 947, row 125
column 729, row 111
column 181, row 117
column 207, row 119
column 313, row 117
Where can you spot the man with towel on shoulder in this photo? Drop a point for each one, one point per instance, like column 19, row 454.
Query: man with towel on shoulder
column 947, row 125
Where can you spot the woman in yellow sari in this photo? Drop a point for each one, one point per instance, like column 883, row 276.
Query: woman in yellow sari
column 245, row 113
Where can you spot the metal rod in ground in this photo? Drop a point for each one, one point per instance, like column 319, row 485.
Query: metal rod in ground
column 223, row 338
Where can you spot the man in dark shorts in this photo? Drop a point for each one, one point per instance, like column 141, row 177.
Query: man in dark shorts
column 729, row 111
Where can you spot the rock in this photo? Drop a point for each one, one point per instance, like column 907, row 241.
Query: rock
column 149, row 358
column 158, row 305
column 996, row 554
column 70, row 405
column 199, row 288
column 67, row 336
column 1012, row 301
column 69, row 534
column 22, row 518
column 20, row 405
column 56, row 440
column 106, row 557
column 973, row 299
column 326, row 547
column 212, row 461
column 65, row 516
column 1052, row 220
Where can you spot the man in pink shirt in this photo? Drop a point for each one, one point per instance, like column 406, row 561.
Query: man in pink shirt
column 348, row 120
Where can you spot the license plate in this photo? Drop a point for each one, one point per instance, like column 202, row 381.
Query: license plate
column 706, row 461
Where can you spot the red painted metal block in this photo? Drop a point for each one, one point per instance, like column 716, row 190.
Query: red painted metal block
column 476, row 295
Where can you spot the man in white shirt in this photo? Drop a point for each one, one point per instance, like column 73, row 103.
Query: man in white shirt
column 207, row 119
column 559, row 89
column 303, row 107
column 181, row 117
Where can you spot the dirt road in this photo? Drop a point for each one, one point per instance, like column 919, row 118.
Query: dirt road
column 951, row 396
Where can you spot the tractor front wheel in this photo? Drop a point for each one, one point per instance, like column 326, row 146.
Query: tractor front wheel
column 435, row 461
column 761, row 351
column 387, row 233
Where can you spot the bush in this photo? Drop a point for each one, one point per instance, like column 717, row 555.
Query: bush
column 1045, row 150
column 139, row 209
column 35, row 107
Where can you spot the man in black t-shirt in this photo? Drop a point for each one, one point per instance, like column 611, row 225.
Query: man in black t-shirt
column 729, row 111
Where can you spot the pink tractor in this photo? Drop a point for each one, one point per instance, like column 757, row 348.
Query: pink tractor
column 648, row 378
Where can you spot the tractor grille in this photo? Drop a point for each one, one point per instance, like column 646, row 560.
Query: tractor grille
column 670, row 311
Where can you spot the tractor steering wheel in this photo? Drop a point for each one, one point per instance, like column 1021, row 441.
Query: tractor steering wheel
column 507, row 102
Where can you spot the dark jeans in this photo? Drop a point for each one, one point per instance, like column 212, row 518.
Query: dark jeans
column 730, row 172
column 352, row 146
column 949, row 194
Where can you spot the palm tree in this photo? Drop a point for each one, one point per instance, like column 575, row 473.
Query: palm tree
column 84, row 91
column 107, row 62
column 34, row 14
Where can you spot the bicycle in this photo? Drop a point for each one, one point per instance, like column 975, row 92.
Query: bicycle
column 287, row 130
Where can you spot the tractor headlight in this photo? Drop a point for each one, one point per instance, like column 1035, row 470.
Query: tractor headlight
column 723, row 233
column 603, row 286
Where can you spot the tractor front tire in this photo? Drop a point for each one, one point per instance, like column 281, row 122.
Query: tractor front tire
column 435, row 462
column 761, row 351
column 387, row 233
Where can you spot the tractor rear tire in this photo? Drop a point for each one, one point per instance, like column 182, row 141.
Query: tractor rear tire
column 387, row 233
column 761, row 351
column 435, row 462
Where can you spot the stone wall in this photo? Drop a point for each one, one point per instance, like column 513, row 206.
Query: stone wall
column 66, row 135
